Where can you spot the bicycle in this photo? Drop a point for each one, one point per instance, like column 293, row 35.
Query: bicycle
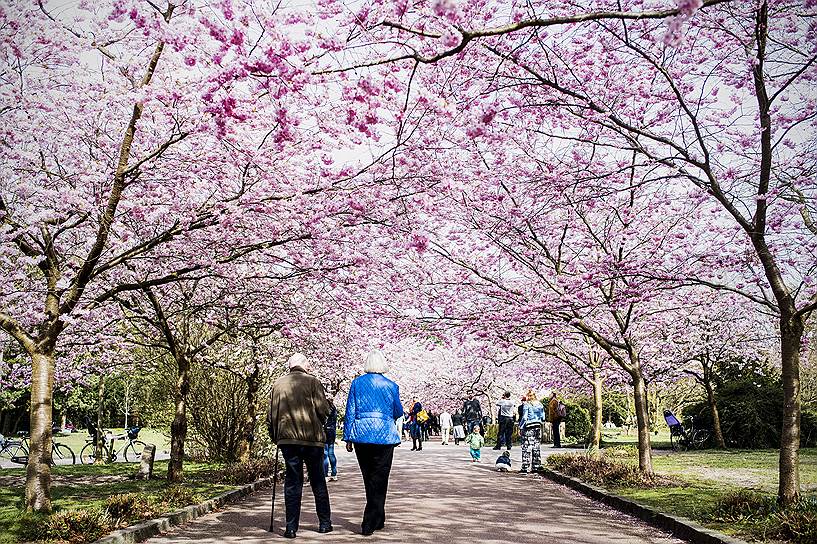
column 684, row 437
column 17, row 451
column 130, row 450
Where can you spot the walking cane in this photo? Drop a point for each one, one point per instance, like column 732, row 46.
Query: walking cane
column 274, row 486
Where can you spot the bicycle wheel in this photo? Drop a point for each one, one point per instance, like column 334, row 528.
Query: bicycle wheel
column 701, row 438
column 61, row 452
column 134, row 451
column 88, row 454
column 16, row 453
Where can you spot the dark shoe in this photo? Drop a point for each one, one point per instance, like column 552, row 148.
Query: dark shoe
column 325, row 529
column 420, row 448
column 379, row 527
column 289, row 534
column 367, row 532
column 496, row 447
column 523, row 471
column 413, row 449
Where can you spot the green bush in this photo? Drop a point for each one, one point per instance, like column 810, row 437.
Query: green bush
column 765, row 519
column 742, row 505
column 601, row 471
column 130, row 506
column 797, row 523
column 69, row 526
column 248, row 472
column 613, row 407
column 492, row 430
column 577, row 422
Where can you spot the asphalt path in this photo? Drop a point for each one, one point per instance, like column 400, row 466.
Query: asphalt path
column 435, row 495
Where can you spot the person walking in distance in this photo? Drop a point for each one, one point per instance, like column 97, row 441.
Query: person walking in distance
column 415, row 425
column 505, row 410
column 330, row 461
column 472, row 412
column 446, row 423
column 370, row 431
column 530, row 428
column 459, row 427
column 555, row 411
column 296, row 417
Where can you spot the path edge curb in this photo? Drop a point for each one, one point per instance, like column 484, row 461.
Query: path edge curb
column 679, row 526
column 146, row 529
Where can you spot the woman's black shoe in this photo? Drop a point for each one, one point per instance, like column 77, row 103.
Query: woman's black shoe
column 325, row 529
column 289, row 534
column 367, row 532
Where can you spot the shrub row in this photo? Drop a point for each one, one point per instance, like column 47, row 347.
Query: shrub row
column 602, row 470
column 765, row 520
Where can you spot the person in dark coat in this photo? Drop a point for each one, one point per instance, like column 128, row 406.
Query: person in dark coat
column 459, row 427
column 370, row 431
column 472, row 412
column 416, row 426
column 330, row 461
column 296, row 417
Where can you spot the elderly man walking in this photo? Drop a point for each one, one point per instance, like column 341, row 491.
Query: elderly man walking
column 297, row 413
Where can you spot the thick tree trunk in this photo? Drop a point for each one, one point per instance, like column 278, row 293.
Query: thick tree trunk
column 716, row 418
column 595, row 433
column 178, row 429
column 791, row 335
column 642, row 422
column 38, row 471
column 100, row 456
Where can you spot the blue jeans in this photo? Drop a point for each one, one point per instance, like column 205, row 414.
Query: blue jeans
column 329, row 459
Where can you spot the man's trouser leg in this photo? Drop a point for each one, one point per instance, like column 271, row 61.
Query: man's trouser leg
column 313, row 457
column 446, row 434
column 375, row 464
column 293, row 485
column 509, row 432
column 557, row 439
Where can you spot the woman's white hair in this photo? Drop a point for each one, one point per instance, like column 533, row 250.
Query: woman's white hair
column 375, row 363
column 298, row 359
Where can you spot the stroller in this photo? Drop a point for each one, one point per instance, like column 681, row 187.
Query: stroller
column 683, row 438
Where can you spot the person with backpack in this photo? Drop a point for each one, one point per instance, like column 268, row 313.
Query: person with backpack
column 556, row 413
column 530, row 428
column 417, row 417
column 370, row 431
column 330, row 461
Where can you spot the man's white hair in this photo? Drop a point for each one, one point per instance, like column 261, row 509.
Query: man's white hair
column 298, row 359
column 376, row 363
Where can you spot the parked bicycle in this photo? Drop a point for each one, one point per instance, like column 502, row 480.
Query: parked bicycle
column 17, row 451
column 684, row 437
column 131, row 449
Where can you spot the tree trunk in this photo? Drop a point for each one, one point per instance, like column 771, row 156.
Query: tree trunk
column 791, row 335
column 642, row 422
column 178, row 429
column 38, row 471
column 100, row 456
column 595, row 433
column 248, row 429
column 716, row 418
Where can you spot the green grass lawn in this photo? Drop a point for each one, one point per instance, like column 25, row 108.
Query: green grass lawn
column 76, row 441
column 611, row 437
column 710, row 475
column 89, row 486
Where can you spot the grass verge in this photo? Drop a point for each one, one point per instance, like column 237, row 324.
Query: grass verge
column 90, row 490
column 711, row 488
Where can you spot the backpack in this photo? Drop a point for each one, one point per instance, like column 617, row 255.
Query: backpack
column 422, row 416
column 561, row 410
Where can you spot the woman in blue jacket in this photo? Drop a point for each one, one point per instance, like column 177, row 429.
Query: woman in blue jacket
column 370, row 431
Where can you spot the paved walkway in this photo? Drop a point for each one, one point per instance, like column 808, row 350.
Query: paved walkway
column 438, row 496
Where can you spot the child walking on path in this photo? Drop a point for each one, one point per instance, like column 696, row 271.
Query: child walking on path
column 475, row 442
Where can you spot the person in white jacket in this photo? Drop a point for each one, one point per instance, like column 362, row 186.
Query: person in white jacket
column 445, row 425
